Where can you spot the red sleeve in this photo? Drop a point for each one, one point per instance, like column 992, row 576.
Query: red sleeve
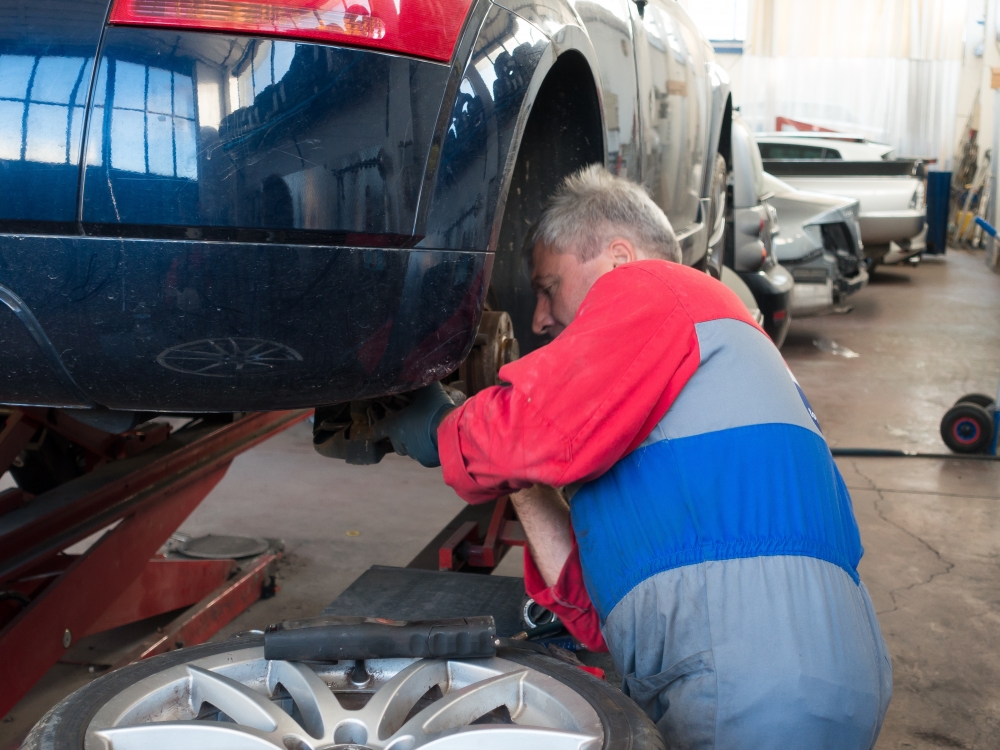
column 568, row 599
column 577, row 405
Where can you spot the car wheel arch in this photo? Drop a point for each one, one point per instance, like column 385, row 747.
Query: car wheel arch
column 562, row 130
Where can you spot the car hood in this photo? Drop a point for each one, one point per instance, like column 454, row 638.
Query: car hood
column 799, row 213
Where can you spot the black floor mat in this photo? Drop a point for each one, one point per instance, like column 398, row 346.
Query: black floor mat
column 415, row 594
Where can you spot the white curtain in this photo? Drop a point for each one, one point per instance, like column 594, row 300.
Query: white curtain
column 886, row 69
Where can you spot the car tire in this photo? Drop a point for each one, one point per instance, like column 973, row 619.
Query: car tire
column 967, row 428
column 979, row 399
column 64, row 727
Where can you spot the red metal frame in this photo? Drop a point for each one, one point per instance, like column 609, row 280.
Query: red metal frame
column 164, row 586
column 148, row 484
column 212, row 613
column 780, row 122
column 464, row 548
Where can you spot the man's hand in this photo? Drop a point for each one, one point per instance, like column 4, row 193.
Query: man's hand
column 413, row 430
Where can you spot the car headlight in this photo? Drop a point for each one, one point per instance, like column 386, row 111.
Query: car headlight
column 917, row 201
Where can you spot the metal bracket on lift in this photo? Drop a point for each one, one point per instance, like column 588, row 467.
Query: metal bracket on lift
column 147, row 482
column 464, row 549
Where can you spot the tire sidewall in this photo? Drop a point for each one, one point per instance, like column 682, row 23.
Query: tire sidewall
column 979, row 399
column 626, row 726
column 65, row 726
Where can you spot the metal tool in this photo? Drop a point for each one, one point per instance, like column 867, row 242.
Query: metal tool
column 332, row 638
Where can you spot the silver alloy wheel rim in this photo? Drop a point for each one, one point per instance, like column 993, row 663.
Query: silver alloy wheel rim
column 258, row 700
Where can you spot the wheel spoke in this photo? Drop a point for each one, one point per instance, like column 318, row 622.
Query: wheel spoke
column 320, row 708
column 240, row 703
column 392, row 702
column 190, row 735
column 243, row 687
column 504, row 737
column 461, row 707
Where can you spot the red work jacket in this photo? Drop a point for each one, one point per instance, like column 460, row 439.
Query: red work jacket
column 579, row 404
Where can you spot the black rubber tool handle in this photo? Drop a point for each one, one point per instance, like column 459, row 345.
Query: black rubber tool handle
column 334, row 638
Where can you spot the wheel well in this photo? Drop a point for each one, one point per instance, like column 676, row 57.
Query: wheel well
column 564, row 132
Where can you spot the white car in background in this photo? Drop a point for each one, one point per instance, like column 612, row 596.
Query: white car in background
column 890, row 191
column 814, row 237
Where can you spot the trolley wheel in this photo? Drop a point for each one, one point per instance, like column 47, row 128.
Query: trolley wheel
column 979, row 399
column 967, row 428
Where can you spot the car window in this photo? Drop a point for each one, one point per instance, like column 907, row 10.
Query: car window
column 792, row 151
column 831, row 153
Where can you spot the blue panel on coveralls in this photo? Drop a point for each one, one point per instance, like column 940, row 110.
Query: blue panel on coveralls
column 736, row 468
column 713, row 497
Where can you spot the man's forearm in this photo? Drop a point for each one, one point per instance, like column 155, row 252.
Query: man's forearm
column 544, row 515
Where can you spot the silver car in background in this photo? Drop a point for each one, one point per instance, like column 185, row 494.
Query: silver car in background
column 820, row 244
column 750, row 231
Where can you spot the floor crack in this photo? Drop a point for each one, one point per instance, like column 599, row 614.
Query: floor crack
column 949, row 565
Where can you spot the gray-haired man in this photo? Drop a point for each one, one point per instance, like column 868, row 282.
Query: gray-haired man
column 725, row 587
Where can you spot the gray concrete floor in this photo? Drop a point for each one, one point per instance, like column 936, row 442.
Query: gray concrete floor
column 931, row 528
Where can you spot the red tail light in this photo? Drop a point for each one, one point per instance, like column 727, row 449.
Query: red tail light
column 424, row 28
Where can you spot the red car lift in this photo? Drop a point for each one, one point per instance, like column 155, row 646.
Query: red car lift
column 468, row 548
column 147, row 481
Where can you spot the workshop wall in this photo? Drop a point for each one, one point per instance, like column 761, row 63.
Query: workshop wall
column 889, row 70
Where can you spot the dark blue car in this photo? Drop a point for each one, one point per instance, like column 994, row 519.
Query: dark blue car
column 217, row 205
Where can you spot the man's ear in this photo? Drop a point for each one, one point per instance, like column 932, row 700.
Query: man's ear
column 622, row 251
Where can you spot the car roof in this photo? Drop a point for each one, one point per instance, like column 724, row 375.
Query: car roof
column 851, row 147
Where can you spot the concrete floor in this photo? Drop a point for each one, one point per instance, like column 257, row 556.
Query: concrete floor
column 931, row 528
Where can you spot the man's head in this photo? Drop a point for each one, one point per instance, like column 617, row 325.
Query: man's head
column 593, row 223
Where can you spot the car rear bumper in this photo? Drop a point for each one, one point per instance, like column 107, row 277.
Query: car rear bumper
column 173, row 325
column 881, row 227
column 811, row 298
column 906, row 249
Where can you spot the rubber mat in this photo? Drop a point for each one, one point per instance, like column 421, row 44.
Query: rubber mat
column 414, row 594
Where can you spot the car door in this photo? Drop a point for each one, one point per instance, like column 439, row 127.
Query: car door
column 671, row 76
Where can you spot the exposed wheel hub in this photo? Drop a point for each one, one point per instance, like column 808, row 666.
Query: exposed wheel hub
column 495, row 347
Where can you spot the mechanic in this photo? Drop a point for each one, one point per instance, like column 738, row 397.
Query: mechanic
column 709, row 539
